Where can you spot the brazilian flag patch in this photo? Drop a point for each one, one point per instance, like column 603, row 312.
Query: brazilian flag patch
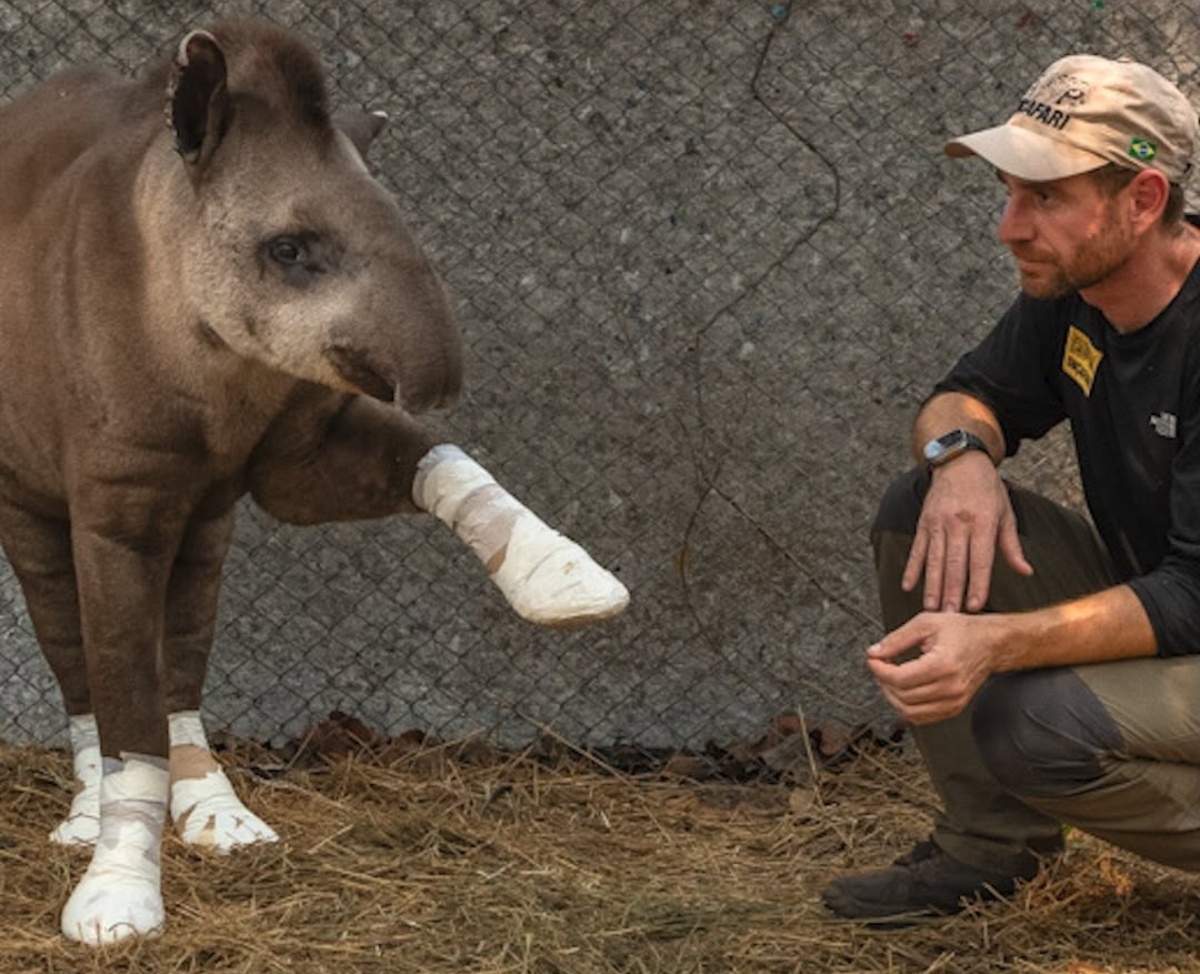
column 1142, row 149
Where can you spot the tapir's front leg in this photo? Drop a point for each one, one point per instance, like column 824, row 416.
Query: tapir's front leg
column 347, row 458
column 203, row 804
column 204, row 807
column 122, row 564
column 120, row 894
column 546, row 577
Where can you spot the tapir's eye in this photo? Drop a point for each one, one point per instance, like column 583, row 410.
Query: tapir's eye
column 287, row 251
column 300, row 258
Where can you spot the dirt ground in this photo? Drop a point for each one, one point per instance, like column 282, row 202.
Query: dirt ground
column 418, row 857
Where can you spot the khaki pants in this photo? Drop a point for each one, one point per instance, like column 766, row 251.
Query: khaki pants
column 1111, row 748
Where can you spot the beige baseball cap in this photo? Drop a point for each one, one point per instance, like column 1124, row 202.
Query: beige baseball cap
column 1086, row 111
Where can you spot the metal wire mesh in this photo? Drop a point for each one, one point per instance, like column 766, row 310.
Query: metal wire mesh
column 708, row 258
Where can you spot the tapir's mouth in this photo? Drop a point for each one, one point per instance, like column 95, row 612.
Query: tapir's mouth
column 357, row 369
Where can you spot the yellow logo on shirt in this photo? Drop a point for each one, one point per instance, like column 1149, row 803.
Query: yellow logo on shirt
column 1081, row 359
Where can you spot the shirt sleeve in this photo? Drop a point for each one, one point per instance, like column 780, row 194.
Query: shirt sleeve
column 1170, row 592
column 1013, row 371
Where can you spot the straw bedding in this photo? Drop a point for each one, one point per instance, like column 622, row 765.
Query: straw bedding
column 414, row 855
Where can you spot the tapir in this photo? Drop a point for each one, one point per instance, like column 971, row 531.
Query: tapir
column 204, row 294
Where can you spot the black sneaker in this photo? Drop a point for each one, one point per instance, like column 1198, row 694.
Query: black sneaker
column 924, row 883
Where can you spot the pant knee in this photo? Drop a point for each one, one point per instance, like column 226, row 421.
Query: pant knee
column 900, row 506
column 891, row 540
column 1043, row 733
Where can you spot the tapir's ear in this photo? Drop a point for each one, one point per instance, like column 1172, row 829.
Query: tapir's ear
column 197, row 97
column 361, row 127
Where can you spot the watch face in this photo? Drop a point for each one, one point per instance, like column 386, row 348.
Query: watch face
column 945, row 447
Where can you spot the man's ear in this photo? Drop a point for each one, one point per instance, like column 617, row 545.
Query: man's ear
column 1148, row 192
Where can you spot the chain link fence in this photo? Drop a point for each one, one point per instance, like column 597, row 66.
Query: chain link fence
column 708, row 258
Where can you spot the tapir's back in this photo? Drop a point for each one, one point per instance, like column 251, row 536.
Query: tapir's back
column 68, row 159
column 50, row 127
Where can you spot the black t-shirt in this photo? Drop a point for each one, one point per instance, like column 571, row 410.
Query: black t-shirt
column 1134, row 406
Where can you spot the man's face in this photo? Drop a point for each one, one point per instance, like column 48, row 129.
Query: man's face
column 1067, row 235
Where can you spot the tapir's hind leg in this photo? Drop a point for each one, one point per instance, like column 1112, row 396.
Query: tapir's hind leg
column 39, row 549
column 204, row 807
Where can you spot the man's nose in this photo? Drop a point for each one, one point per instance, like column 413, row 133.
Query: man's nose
column 1014, row 223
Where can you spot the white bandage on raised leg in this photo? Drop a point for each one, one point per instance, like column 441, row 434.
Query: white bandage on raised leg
column 120, row 896
column 82, row 824
column 546, row 577
column 204, row 807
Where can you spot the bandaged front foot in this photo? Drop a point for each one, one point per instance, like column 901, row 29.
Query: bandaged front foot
column 204, row 807
column 546, row 577
column 82, row 824
column 119, row 896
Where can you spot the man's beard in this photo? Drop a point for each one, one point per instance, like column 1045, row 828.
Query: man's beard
column 1092, row 263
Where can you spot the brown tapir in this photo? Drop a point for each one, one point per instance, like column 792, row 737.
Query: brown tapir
column 189, row 311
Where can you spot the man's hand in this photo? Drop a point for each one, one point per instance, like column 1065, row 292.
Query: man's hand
column 931, row 667
column 967, row 517
column 955, row 657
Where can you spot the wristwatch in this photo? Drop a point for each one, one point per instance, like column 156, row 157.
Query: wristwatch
column 950, row 445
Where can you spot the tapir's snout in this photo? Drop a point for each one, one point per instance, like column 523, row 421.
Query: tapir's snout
column 440, row 385
column 357, row 369
column 383, row 322
column 419, row 372
column 428, row 369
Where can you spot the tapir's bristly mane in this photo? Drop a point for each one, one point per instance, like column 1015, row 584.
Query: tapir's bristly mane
column 260, row 50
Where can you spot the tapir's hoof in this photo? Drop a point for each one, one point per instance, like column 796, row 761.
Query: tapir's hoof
column 77, row 830
column 110, row 905
column 225, row 830
column 82, row 824
column 210, row 815
column 552, row 581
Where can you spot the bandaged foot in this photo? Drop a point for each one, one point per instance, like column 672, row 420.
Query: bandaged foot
column 546, row 577
column 120, row 896
column 82, row 824
column 204, row 807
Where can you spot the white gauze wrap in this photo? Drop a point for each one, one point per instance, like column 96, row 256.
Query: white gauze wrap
column 82, row 824
column 204, row 807
column 119, row 896
column 547, row 578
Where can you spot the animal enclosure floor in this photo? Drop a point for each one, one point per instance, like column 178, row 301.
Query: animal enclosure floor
column 450, row 860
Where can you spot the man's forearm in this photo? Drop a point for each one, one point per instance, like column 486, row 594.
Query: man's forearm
column 955, row 410
column 957, row 652
column 1098, row 628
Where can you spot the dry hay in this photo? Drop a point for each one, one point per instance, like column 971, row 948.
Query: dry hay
column 433, row 858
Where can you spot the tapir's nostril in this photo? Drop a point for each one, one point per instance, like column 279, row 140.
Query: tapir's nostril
column 357, row 369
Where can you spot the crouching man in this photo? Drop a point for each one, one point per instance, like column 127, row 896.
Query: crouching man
column 1050, row 666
